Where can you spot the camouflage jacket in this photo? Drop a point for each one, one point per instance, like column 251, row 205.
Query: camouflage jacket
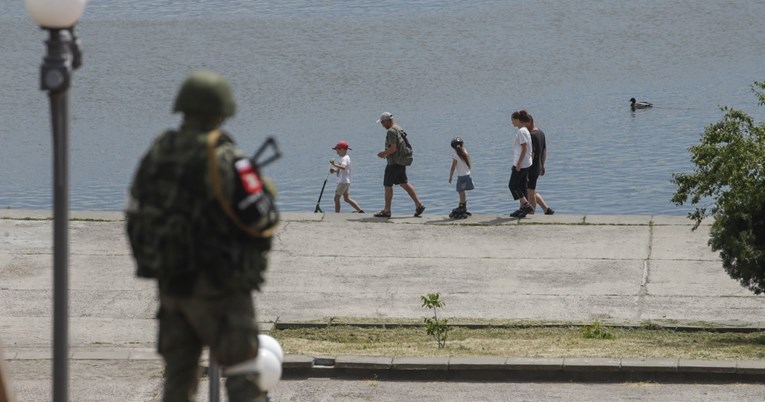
column 178, row 231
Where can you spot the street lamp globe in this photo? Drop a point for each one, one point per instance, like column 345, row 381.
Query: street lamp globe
column 55, row 14
column 269, row 369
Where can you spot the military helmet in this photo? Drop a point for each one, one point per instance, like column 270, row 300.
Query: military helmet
column 457, row 141
column 205, row 93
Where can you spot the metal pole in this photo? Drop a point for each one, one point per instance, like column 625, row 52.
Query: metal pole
column 55, row 78
column 213, row 374
column 58, row 102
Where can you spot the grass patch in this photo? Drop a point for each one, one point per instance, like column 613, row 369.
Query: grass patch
column 597, row 331
column 523, row 342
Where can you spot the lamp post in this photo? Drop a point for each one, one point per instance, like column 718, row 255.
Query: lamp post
column 63, row 56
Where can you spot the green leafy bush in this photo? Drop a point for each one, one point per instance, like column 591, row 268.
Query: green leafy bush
column 728, row 184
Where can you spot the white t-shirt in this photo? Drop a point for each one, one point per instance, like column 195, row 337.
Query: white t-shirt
column 523, row 137
column 344, row 175
column 462, row 167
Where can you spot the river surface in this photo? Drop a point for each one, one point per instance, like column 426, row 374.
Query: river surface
column 312, row 73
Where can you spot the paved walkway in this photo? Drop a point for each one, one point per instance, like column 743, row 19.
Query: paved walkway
column 623, row 269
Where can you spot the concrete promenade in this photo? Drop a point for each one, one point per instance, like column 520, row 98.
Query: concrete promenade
column 613, row 269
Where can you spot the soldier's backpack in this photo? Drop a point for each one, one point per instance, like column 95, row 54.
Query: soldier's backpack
column 161, row 208
column 404, row 151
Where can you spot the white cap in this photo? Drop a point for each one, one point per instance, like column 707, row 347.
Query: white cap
column 385, row 116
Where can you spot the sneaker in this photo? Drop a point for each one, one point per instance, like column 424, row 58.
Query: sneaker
column 516, row 213
column 525, row 211
column 549, row 211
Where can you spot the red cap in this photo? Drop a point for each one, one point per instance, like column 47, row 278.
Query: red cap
column 342, row 145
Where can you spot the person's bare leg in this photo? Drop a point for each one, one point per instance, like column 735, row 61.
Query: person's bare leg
column 463, row 199
column 337, row 202
column 532, row 199
column 388, row 198
column 351, row 201
column 409, row 188
column 541, row 201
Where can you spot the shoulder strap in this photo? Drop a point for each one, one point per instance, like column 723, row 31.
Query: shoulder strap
column 212, row 141
column 403, row 136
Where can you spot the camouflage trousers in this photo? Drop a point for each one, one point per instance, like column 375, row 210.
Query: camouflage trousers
column 226, row 325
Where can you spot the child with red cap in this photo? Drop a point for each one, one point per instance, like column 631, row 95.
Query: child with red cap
column 343, row 169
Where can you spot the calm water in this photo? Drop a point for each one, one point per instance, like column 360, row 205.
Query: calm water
column 313, row 73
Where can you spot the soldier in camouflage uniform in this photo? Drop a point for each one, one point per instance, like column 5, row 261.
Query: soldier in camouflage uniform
column 205, row 261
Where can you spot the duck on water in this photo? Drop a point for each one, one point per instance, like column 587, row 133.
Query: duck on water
column 639, row 105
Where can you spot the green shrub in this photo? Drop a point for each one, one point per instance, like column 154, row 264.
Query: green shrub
column 728, row 184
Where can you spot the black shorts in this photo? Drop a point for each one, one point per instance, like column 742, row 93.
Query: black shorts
column 533, row 176
column 519, row 183
column 394, row 174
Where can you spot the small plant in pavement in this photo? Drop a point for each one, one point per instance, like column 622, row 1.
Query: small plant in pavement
column 434, row 326
column 597, row 331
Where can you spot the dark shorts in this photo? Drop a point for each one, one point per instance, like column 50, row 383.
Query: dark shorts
column 519, row 183
column 533, row 176
column 394, row 174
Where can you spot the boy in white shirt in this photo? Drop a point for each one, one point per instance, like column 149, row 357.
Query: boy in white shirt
column 522, row 160
column 343, row 170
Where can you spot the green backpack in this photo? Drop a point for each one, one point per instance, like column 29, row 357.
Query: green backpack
column 163, row 203
column 404, row 151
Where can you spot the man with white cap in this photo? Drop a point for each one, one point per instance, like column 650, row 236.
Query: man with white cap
column 395, row 173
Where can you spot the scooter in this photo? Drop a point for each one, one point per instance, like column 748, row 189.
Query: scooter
column 318, row 208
